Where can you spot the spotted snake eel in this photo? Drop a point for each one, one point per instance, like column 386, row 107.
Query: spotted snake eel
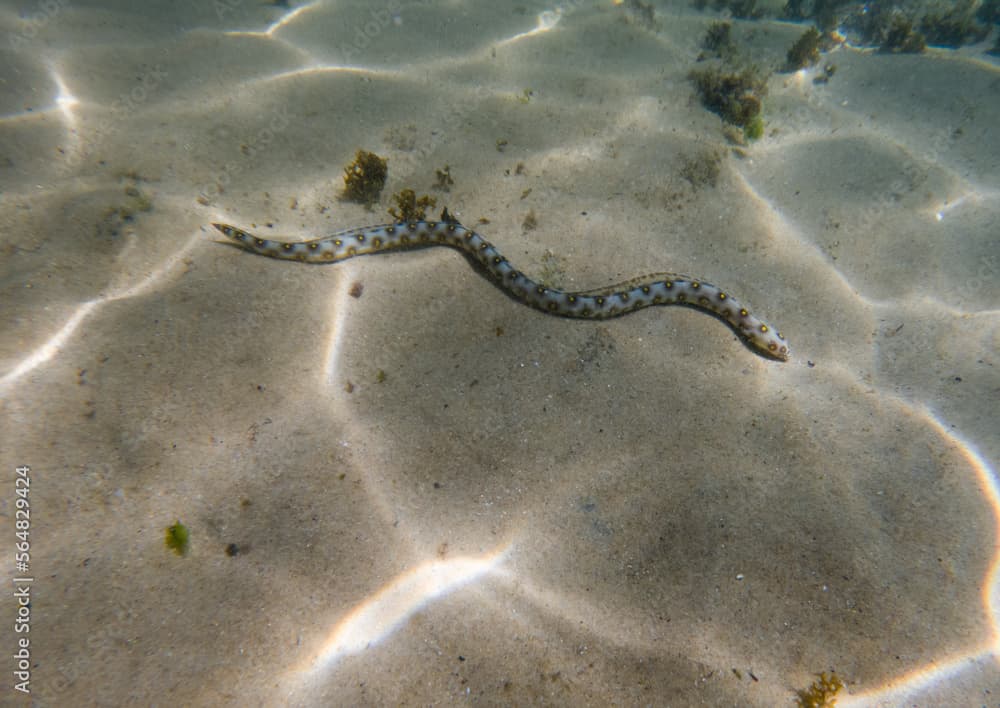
column 611, row 301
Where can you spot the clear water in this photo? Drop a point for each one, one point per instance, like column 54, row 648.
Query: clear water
column 401, row 486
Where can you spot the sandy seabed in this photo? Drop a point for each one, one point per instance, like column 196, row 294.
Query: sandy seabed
column 429, row 493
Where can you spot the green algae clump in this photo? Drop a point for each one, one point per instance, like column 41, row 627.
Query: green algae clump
column 754, row 129
column 805, row 51
column 822, row 693
column 409, row 208
column 901, row 38
column 365, row 177
column 177, row 538
column 736, row 96
column 718, row 40
column 956, row 26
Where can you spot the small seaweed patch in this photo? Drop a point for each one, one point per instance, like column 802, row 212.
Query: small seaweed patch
column 805, row 51
column 740, row 9
column 887, row 28
column 443, row 180
column 640, row 13
column 365, row 178
column 894, row 27
column 409, row 208
column 754, row 129
column 953, row 27
column 825, row 13
column 736, row 96
column 822, row 693
column 718, row 41
column 177, row 538
column 901, row 38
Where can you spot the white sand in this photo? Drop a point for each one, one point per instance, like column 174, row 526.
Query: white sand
column 526, row 510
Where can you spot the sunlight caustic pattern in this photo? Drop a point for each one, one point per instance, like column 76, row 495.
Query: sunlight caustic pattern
column 57, row 340
column 285, row 20
column 377, row 617
column 910, row 685
column 830, row 309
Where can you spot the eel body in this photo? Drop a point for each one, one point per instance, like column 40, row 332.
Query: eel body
column 612, row 301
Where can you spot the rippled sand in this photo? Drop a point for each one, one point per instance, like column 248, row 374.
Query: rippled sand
column 430, row 494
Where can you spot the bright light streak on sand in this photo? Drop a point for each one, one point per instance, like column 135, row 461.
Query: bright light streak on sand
column 285, row 19
column 157, row 274
column 940, row 213
column 65, row 100
column 290, row 16
column 54, row 343
column 52, row 346
column 387, row 609
column 326, row 69
column 988, row 481
column 907, row 689
column 546, row 21
column 335, row 338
